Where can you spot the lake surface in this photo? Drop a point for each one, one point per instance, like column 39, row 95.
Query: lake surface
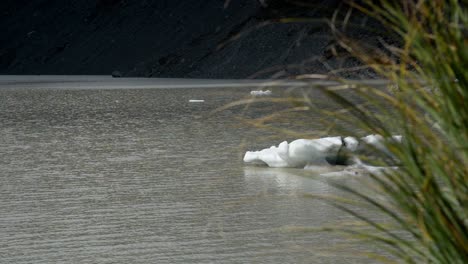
column 144, row 176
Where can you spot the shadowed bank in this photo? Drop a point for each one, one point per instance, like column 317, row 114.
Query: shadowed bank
column 182, row 39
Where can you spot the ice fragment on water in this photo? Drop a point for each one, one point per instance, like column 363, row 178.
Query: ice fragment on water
column 260, row 93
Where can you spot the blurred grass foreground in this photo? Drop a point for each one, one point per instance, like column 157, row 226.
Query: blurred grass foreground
column 427, row 103
column 427, row 198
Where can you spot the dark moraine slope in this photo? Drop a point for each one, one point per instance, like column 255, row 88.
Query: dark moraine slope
column 169, row 38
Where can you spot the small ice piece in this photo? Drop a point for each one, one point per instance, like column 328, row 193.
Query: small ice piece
column 376, row 170
column 397, row 138
column 196, row 101
column 374, row 139
column 260, row 93
column 372, row 147
column 378, row 141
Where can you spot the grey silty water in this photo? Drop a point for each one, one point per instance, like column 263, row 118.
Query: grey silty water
column 144, row 176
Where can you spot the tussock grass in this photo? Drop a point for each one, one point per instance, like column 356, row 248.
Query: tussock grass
column 427, row 198
column 425, row 99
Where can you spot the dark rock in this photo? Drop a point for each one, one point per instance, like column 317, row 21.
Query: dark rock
column 7, row 56
column 116, row 74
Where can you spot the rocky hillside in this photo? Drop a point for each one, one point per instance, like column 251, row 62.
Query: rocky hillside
column 167, row 38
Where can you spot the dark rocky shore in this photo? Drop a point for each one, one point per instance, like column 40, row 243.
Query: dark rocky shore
column 167, row 38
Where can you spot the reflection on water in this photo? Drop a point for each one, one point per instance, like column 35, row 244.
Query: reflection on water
column 143, row 176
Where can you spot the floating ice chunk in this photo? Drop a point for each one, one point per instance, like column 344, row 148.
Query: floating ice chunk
column 299, row 153
column 374, row 140
column 260, row 93
column 196, row 101
column 322, row 151
column 376, row 170
column 378, row 141
column 397, row 138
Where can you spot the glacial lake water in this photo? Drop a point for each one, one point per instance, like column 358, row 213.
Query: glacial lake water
column 144, row 176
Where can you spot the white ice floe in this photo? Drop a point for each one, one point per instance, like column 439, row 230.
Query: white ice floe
column 260, row 93
column 196, row 101
column 298, row 153
column 323, row 151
